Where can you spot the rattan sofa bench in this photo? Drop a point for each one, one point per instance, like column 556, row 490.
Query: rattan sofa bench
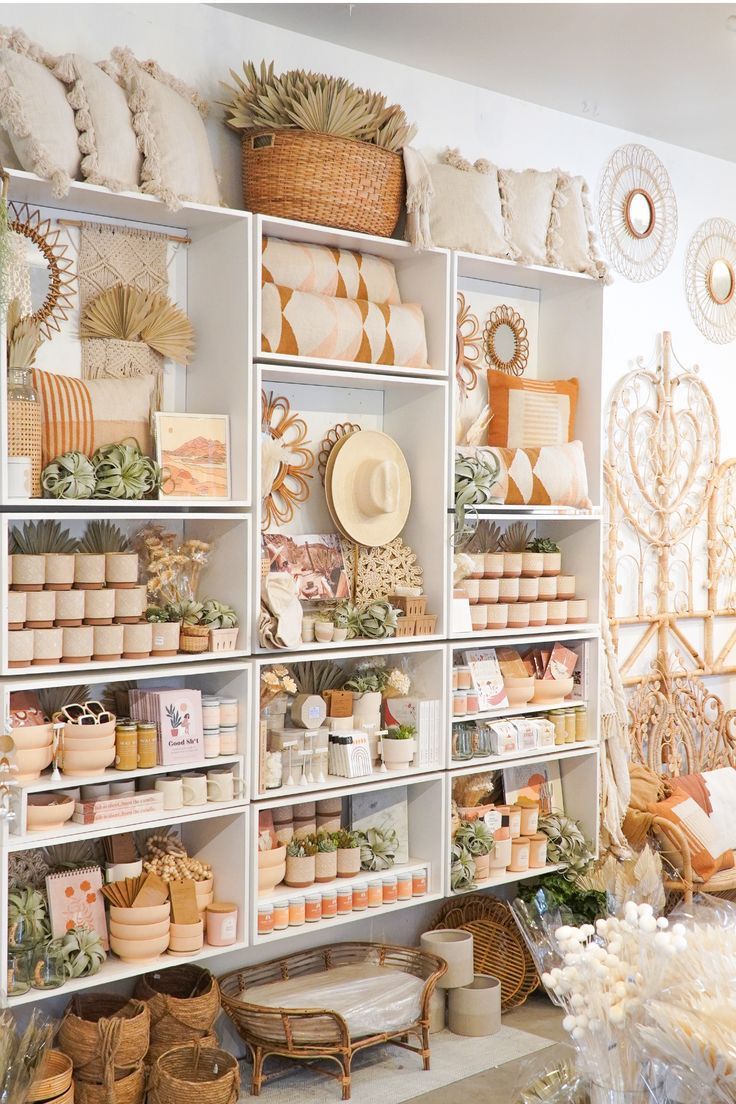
column 399, row 1005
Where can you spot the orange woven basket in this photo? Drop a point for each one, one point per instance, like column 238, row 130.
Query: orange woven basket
column 340, row 182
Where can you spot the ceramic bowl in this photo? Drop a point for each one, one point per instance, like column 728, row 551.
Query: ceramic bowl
column 186, row 938
column 151, row 914
column 519, row 690
column 89, row 732
column 551, row 691
column 137, row 932
column 89, row 745
column 274, row 857
column 139, row 950
column 270, row 876
column 32, row 736
column 49, row 810
column 31, row 761
column 91, row 761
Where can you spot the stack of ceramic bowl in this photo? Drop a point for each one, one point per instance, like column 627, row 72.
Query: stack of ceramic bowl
column 88, row 749
column 46, row 811
column 271, row 868
column 186, row 939
column 53, row 1083
column 140, row 934
column 34, row 750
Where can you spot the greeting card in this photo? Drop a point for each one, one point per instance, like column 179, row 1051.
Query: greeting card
column 75, row 900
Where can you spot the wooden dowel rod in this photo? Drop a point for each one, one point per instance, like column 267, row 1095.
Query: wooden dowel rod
column 169, row 237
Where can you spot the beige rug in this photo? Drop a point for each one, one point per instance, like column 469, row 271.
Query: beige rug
column 389, row 1075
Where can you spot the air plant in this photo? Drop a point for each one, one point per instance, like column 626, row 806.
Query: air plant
column 189, row 613
column 462, row 869
column 567, row 844
column 103, row 536
column 218, row 615
column 378, row 619
column 28, row 921
column 39, row 537
column 378, row 847
column 123, row 472
column 69, row 476
column 83, row 952
column 476, row 837
column 475, row 480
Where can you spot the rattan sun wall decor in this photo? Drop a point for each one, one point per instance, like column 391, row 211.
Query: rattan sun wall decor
column 637, row 213
column 710, row 279
column 286, row 461
column 467, row 346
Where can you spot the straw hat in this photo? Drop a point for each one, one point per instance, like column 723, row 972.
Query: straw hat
column 368, row 487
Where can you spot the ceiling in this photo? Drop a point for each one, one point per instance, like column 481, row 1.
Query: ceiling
column 663, row 70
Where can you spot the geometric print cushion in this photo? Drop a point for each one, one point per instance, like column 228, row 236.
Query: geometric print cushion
column 553, row 475
column 528, row 413
column 705, row 844
column 327, row 270
column 299, row 323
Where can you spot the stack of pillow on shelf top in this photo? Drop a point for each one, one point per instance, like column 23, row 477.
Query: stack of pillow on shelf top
column 335, row 304
column 121, row 124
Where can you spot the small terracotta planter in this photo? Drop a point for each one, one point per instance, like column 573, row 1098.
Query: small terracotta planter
column 519, row 613
column 29, row 572
column 565, row 586
column 532, row 564
column 493, row 565
column 40, row 609
column 99, row 607
column 488, row 591
column 478, row 559
column 577, row 611
column 59, row 570
column 537, row 614
column 89, row 570
column 69, row 608
column 77, row 644
column 108, row 642
column 47, row 645
column 121, row 569
column 508, row 589
column 482, row 867
column 323, row 631
column 130, row 604
column 20, row 648
column 300, row 872
column 512, row 564
column 497, row 617
column 17, row 608
column 556, row 613
column 137, row 640
column 479, row 616
column 552, row 563
column 348, row 862
column 548, row 588
column 326, row 866
column 528, row 589
column 165, row 639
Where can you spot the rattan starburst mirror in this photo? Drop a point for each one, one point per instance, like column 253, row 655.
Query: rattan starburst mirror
column 52, row 271
column 506, row 341
column 637, row 213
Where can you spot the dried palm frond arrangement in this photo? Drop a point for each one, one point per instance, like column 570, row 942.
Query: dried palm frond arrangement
column 39, row 537
column 55, row 698
column 24, row 337
column 127, row 313
column 102, row 535
column 313, row 102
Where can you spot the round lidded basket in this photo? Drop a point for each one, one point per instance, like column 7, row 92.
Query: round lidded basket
column 193, row 1071
column 340, row 182
column 103, row 1024
column 184, row 1002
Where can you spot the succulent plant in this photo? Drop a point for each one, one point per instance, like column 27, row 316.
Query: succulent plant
column 313, row 102
column 516, row 538
column 27, row 918
column 123, row 472
column 347, row 840
column 378, row 619
column 103, row 536
column 378, row 848
column 39, row 537
column 542, row 544
column 326, row 842
column 302, row 848
column 462, row 869
column 401, row 732
column 161, row 615
column 83, row 952
column 218, row 615
column 476, row 837
column 69, row 476
column 475, row 479
column 189, row 613
column 567, row 844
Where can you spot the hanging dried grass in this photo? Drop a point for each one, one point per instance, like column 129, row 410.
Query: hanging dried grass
column 127, row 313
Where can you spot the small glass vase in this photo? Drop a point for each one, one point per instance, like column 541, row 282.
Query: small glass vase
column 462, row 742
column 49, row 970
column 19, row 973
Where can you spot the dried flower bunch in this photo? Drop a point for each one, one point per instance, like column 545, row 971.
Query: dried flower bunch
column 313, row 102
column 173, row 568
column 127, row 313
column 274, row 681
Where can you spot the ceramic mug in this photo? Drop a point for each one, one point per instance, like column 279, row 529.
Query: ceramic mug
column 222, row 785
column 95, row 791
column 172, row 787
column 195, row 789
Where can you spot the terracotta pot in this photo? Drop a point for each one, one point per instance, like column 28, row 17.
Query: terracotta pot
column 130, row 604
column 99, row 607
column 121, row 569
column 108, row 642
column 498, row 616
column 512, row 564
column 456, row 947
column 348, row 862
column 165, row 639
column 300, row 872
column 77, row 644
column 556, row 613
column 40, row 609
column 479, row 616
column 552, row 563
column 537, row 614
column 324, row 631
column 20, row 648
column 577, row 611
column 326, row 866
column 519, row 615
column 528, row 589
column 59, row 570
column 565, row 586
column 17, row 608
column 137, row 640
column 47, row 645
column 475, row 1009
column 29, row 572
column 471, row 589
column 532, row 564
column 493, row 565
column 69, row 608
column 482, row 867
column 478, row 569
column 548, row 588
column 89, row 570
column 488, row 591
column 508, row 589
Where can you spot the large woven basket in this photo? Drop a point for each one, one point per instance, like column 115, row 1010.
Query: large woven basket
column 299, row 174
column 104, row 1035
column 128, row 1089
column 191, row 1073
column 53, row 1079
column 184, row 1003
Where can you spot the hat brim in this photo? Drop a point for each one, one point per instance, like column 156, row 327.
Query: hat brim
column 340, row 477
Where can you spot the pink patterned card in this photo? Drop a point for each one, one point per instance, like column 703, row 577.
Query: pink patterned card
column 75, row 900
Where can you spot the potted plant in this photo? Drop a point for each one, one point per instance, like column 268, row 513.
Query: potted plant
column 166, row 628
column 82, row 951
column 462, row 869
column 340, row 620
column 27, row 919
column 348, row 853
column 550, row 553
column 377, row 620
column 368, row 681
column 222, row 622
column 104, row 538
column 477, row 839
column 324, row 626
column 301, row 865
column 48, row 540
column 398, row 746
column 378, row 847
column 514, row 543
column 326, row 865
column 194, row 637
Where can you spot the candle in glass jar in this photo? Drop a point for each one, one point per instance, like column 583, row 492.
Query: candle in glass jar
column 344, row 900
column 297, row 912
column 519, row 855
column 390, row 890
column 313, row 908
column 360, row 897
column 537, row 850
column 329, row 904
column 459, row 703
column 472, row 702
column 529, row 819
column 265, row 919
column 211, row 743
column 464, row 680
column 514, row 820
column 210, row 712
column 419, row 882
column 403, row 887
column 228, row 712
column 280, row 915
column 375, row 893
column 228, row 741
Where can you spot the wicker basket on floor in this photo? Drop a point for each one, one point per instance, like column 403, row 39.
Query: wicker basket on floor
column 104, row 1034
column 129, row 1088
column 53, row 1078
column 341, row 182
column 193, row 1072
column 184, row 1002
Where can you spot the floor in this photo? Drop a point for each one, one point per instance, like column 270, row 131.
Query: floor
column 539, row 1017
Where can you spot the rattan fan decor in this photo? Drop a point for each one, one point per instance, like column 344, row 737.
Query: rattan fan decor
column 126, row 313
column 468, row 342
column 498, row 948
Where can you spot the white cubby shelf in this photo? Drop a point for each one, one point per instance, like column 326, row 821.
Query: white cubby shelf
column 423, row 278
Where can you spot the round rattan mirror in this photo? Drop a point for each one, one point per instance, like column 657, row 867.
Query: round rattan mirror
column 505, row 341
column 639, row 213
column 51, row 270
column 721, row 281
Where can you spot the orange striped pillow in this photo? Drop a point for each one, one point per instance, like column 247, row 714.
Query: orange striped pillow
column 82, row 415
column 529, row 413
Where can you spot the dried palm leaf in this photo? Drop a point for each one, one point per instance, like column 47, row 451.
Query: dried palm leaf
column 24, row 337
column 54, row 698
column 102, row 535
column 39, row 537
column 516, row 537
column 118, row 312
column 167, row 330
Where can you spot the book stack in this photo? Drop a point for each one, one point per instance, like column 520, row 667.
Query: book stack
column 425, row 714
column 148, row 803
